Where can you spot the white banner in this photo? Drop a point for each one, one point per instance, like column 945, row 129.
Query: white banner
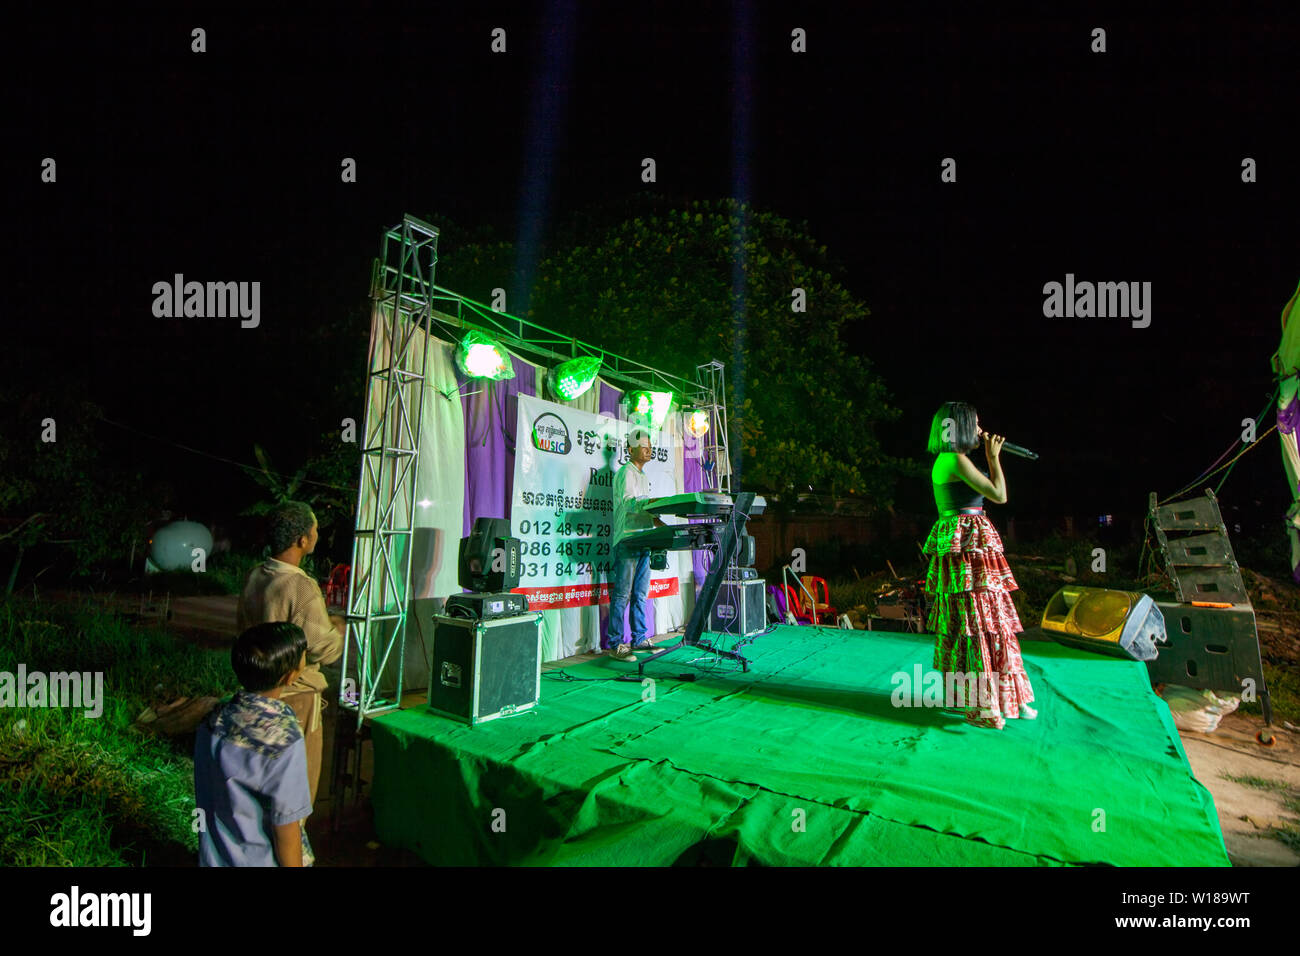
column 563, row 513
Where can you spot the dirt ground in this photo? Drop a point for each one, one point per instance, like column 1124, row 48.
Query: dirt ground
column 1277, row 618
column 1247, row 814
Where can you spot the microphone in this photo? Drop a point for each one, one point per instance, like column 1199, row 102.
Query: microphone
column 1019, row 452
column 1012, row 449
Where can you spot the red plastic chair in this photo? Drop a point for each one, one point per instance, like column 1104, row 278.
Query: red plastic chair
column 794, row 605
column 336, row 589
column 820, row 609
column 803, row 611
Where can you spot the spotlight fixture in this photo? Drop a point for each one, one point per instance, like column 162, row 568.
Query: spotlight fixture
column 697, row 422
column 570, row 379
column 481, row 357
column 649, row 408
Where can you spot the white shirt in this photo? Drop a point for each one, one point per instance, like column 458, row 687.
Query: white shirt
column 631, row 490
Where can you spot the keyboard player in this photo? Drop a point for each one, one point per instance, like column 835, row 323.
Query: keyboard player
column 630, row 567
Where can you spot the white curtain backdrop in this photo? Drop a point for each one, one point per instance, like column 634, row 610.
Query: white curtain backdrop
column 440, row 506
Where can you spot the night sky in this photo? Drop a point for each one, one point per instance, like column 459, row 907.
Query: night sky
column 1122, row 166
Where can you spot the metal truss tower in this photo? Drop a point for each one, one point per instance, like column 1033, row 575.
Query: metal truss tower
column 402, row 292
column 711, row 395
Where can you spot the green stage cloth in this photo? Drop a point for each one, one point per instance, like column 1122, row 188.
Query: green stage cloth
column 804, row 760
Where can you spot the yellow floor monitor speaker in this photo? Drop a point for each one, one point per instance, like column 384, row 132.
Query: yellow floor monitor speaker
column 1119, row 623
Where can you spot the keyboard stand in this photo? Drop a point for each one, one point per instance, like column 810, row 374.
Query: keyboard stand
column 709, row 592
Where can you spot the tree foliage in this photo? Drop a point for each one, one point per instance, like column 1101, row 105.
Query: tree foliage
column 675, row 284
column 64, row 491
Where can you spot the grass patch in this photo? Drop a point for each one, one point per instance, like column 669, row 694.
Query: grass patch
column 1257, row 783
column 83, row 791
column 1289, row 834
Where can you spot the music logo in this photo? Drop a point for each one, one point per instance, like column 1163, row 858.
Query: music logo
column 551, row 434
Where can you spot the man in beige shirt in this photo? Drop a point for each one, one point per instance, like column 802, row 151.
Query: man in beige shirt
column 279, row 590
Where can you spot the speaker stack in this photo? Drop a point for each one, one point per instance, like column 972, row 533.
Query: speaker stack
column 1205, row 639
column 1213, row 641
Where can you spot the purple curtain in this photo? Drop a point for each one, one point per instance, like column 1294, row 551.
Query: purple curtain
column 693, row 480
column 610, row 397
column 490, row 419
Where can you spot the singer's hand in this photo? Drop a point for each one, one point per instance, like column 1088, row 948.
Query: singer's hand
column 992, row 445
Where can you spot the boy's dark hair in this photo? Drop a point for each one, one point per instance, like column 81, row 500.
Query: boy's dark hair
column 264, row 653
column 287, row 523
column 635, row 435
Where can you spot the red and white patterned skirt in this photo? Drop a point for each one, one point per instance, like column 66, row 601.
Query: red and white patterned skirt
column 973, row 616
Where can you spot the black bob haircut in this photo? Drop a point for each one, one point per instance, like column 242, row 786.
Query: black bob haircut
column 264, row 653
column 953, row 429
column 287, row 523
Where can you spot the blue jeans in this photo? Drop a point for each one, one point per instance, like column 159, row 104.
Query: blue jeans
column 630, row 579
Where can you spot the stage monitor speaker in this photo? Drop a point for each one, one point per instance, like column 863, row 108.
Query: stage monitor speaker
column 1118, row 623
column 741, row 608
column 483, row 670
column 1212, row 648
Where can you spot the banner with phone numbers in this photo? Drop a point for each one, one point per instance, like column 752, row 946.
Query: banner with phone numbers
column 563, row 509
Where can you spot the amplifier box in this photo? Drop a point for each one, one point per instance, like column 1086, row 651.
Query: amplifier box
column 485, row 669
column 484, row 606
column 741, row 608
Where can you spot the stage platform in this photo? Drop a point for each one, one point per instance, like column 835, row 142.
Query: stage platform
column 803, row 761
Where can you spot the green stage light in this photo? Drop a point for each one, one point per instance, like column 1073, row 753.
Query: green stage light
column 480, row 357
column 570, row 379
column 649, row 407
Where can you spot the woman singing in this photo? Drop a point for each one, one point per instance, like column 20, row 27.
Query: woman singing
column 973, row 617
